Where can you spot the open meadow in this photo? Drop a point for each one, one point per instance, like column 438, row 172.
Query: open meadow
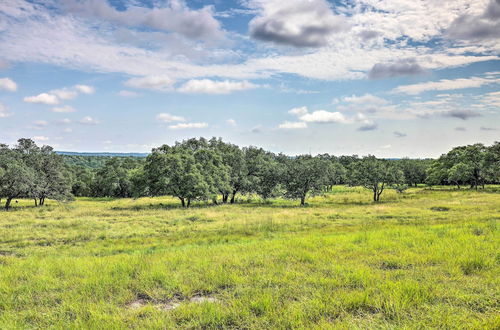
column 424, row 258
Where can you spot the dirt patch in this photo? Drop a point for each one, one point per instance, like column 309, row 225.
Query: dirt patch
column 201, row 299
column 171, row 303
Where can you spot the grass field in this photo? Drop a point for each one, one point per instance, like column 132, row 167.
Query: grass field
column 425, row 258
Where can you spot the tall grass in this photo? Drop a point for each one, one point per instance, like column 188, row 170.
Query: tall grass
column 422, row 259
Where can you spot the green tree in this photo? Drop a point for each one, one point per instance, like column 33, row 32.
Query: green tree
column 374, row 174
column 304, row 175
column 16, row 177
column 173, row 171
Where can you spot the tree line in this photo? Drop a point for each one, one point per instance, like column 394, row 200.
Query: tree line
column 218, row 172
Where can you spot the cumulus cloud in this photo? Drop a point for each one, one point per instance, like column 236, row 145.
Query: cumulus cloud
column 174, row 17
column 484, row 128
column 207, row 86
column 478, row 27
column 41, row 138
column 293, row 125
column 444, row 84
column 168, row 118
column 366, row 99
column 299, row 111
column 8, row 84
column 367, row 35
column 40, row 123
column 63, row 109
column 232, row 122
column 323, row 116
column 295, row 22
column 55, row 96
column 64, row 93
column 95, row 48
column 188, row 125
column 64, row 121
column 128, row 94
column 407, row 67
column 3, row 111
column 368, row 126
column 42, row 98
column 461, row 114
column 87, row 120
column 159, row 83
column 85, row 89
column 399, row 134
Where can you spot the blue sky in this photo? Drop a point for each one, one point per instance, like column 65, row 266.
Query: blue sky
column 392, row 78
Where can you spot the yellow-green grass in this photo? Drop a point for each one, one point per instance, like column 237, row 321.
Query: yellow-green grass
column 425, row 258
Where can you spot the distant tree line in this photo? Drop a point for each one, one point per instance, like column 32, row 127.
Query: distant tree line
column 216, row 171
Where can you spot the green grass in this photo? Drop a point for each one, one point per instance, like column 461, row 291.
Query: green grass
column 422, row 259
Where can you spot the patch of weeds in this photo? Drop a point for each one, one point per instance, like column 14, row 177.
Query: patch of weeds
column 440, row 208
column 473, row 265
column 391, row 265
column 478, row 231
column 195, row 218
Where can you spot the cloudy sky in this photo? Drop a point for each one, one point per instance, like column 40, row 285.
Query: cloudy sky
column 386, row 77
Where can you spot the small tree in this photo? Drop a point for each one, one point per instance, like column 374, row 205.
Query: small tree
column 16, row 181
column 374, row 174
column 175, row 172
column 460, row 173
column 304, row 175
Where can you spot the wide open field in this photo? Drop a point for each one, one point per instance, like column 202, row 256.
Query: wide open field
column 426, row 258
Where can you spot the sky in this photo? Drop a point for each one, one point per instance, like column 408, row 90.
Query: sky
column 391, row 78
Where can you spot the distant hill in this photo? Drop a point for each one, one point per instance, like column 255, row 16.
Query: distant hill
column 103, row 154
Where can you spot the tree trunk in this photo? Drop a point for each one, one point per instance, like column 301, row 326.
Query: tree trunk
column 183, row 202
column 42, row 201
column 225, row 198
column 374, row 194
column 233, row 196
column 189, row 202
column 7, row 203
column 303, row 200
column 36, row 202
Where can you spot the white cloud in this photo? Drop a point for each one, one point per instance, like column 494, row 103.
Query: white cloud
column 367, row 99
column 293, row 125
column 323, row 116
column 398, row 23
column 232, row 122
column 87, row 120
column 64, row 93
column 295, row 23
column 85, row 89
column 172, row 16
column 445, row 84
column 56, row 95
column 63, row 109
column 298, row 111
column 64, row 121
column 41, row 123
column 129, row 94
column 8, row 84
column 40, row 138
column 68, row 130
column 188, row 125
column 42, row 98
column 3, row 111
column 168, row 118
column 207, row 86
column 159, row 83
column 368, row 125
